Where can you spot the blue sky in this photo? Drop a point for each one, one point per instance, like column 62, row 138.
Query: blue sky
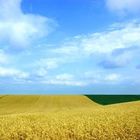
column 70, row 46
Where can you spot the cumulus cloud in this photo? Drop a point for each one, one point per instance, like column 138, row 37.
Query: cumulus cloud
column 124, row 6
column 46, row 64
column 4, row 58
column 18, row 29
column 49, row 63
column 68, row 48
column 99, row 76
column 108, row 41
column 64, row 79
column 65, row 76
column 42, row 72
column 66, row 83
column 119, row 58
column 117, row 47
column 112, row 77
column 12, row 73
column 118, row 36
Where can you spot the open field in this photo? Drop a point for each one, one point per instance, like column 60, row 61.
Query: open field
column 11, row 104
column 35, row 117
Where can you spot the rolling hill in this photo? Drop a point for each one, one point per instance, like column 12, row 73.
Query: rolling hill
column 10, row 104
column 41, row 117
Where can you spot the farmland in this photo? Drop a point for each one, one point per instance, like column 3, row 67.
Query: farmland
column 40, row 117
column 113, row 99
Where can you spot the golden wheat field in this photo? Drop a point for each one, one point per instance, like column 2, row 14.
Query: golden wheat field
column 34, row 117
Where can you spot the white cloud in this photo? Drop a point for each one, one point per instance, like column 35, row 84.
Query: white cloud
column 120, row 58
column 13, row 73
column 112, row 77
column 42, row 72
column 46, row 64
column 67, row 83
column 67, row 49
column 101, row 77
column 116, row 37
column 108, row 41
column 124, row 6
column 49, row 63
column 4, row 58
column 118, row 46
column 18, row 29
column 63, row 79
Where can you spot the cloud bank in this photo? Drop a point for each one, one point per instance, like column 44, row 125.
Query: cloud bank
column 82, row 60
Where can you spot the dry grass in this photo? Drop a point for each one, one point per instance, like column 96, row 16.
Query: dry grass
column 66, row 119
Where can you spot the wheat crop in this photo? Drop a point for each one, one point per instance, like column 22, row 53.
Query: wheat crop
column 70, row 120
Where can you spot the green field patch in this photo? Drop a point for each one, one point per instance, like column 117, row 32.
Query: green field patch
column 113, row 99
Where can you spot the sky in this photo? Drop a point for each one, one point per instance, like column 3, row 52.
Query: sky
column 69, row 47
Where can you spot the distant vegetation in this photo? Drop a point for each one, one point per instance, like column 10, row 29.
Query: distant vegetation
column 34, row 117
column 112, row 99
